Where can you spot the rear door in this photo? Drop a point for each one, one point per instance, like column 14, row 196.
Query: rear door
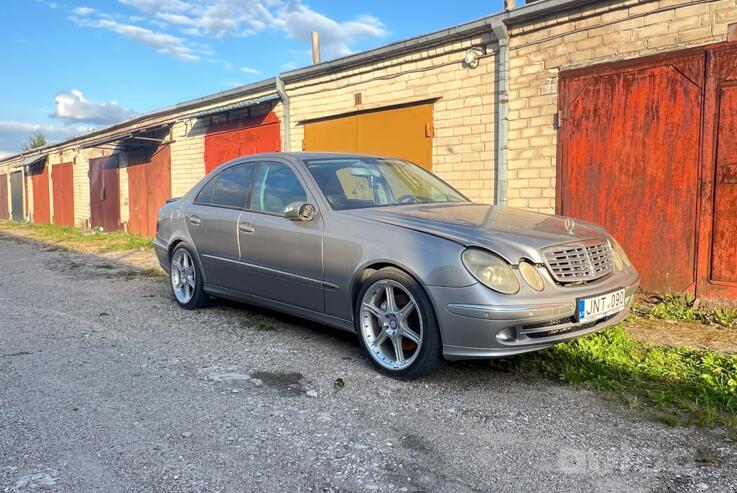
column 282, row 258
column 212, row 222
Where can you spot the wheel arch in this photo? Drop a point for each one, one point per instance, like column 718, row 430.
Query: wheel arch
column 364, row 272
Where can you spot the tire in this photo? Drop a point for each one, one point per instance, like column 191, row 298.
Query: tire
column 188, row 291
column 387, row 330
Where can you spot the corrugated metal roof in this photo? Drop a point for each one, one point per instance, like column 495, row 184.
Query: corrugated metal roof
column 232, row 107
column 125, row 135
column 30, row 161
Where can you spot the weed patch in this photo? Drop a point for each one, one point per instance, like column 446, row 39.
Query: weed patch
column 685, row 386
column 679, row 307
column 78, row 239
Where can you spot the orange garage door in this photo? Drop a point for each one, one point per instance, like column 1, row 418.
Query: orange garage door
column 403, row 132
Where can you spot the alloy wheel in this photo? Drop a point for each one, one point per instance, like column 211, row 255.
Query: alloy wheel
column 391, row 324
column 183, row 276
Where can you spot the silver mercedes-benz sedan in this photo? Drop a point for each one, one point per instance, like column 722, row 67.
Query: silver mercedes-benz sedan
column 383, row 248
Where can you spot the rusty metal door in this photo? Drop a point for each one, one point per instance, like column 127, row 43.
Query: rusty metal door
column 16, row 196
column 405, row 132
column 149, row 186
column 4, row 206
column 40, row 185
column 718, row 241
column 241, row 138
column 62, row 184
column 104, row 193
column 628, row 158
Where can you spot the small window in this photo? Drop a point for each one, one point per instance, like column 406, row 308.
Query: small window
column 205, row 194
column 276, row 187
column 229, row 188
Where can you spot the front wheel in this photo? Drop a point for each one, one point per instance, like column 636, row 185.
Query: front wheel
column 397, row 325
column 186, row 280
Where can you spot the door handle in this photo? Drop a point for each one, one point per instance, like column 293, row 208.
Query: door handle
column 195, row 220
column 246, row 228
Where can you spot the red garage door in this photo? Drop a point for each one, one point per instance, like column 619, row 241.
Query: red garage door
column 718, row 241
column 4, row 206
column 62, row 182
column 635, row 156
column 241, row 138
column 149, row 186
column 629, row 160
column 41, row 205
column 104, row 193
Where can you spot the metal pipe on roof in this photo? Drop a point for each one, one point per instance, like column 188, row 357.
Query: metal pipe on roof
column 281, row 91
column 502, row 112
column 315, row 47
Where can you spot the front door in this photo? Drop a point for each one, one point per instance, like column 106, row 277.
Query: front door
column 282, row 258
column 212, row 222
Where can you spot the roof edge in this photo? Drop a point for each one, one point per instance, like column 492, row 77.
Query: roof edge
column 517, row 15
column 189, row 104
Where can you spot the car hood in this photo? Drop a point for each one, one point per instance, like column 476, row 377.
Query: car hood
column 511, row 233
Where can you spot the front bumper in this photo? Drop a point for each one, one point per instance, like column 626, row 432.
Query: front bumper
column 470, row 317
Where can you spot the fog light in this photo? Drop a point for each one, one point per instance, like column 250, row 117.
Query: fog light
column 531, row 276
column 505, row 335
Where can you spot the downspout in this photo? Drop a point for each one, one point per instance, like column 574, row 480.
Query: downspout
column 502, row 112
column 285, row 120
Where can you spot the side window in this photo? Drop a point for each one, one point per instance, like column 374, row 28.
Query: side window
column 205, row 194
column 228, row 189
column 275, row 188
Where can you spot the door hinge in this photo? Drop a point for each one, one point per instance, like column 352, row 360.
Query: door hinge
column 557, row 120
column 429, row 130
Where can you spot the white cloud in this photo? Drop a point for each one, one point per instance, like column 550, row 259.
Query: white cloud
column 73, row 107
column 14, row 134
column 249, row 70
column 82, row 11
column 237, row 18
column 298, row 21
column 163, row 43
column 152, row 6
column 178, row 19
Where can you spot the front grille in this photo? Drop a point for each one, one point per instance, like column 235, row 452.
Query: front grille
column 579, row 262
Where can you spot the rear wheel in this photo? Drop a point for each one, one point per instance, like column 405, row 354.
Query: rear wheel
column 397, row 325
column 186, row 279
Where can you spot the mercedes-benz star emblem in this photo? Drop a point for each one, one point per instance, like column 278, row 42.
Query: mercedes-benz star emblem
column 570, row 224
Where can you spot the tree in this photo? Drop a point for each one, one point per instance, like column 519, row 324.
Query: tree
column 34, row 141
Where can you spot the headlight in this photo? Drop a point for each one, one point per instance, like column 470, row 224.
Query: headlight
column 490, row 270
column 620, row 258
column 531, row 275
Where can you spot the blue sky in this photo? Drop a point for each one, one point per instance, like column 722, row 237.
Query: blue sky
column 73, row 65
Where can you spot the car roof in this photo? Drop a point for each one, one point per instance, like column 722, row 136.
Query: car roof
column 313, row 155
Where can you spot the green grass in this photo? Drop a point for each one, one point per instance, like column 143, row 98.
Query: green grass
column 681, row 307
column 682, row 385
column 75, row 238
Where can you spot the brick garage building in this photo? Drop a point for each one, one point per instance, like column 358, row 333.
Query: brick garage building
column 587, row 108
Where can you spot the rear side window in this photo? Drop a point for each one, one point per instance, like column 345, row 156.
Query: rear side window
column 228, row 189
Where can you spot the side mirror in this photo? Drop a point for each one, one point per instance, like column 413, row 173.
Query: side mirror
column 300, row 211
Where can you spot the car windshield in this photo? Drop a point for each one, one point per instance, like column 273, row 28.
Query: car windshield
column 359, row 182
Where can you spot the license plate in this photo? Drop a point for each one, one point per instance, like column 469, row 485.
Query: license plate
column 596, row 307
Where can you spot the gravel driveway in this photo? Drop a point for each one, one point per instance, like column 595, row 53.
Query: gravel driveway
column 106, row 385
